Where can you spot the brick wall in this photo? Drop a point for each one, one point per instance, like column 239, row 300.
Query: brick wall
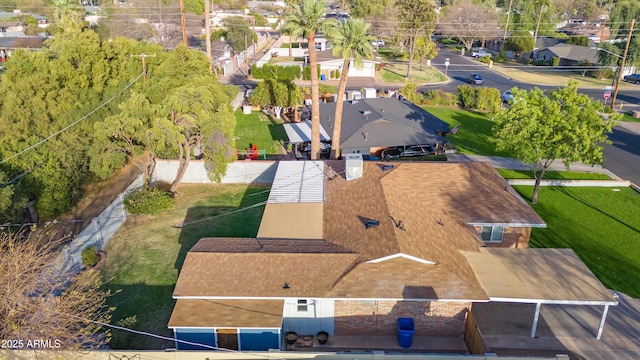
column 380, row 317
column 513, row 237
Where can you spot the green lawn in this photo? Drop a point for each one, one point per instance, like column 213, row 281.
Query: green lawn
column 258, row 128
column 553, row 175
column 628, row 118
column 602, row 225
column 475, row 136
column 146, row 254
column 397, row 73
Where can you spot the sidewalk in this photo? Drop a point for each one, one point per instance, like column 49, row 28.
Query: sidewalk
column 515, row 164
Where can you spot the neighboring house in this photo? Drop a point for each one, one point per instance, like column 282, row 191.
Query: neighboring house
column 9, row 44
column 349, row 257
column 369, row 125
column 10, row 16
column 328, row 63
column 570, row 55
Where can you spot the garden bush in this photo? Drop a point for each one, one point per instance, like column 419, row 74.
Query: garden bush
column 488, row 99
column 555, row 61
column 501, row 57
column 485, row 59
column 90, row 256
column 439, row 97
column 278, row 72
column 148, row 200
column 409, row 92
column 467, row 96
column 306, row 73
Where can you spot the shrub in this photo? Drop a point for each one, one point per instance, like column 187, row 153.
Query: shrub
column 337, row 74
column 90, row 256
column 488, row 99
column 278, row 72
column 409, row 92
column 148, row 201
column 608, row 110
column 467, row 96
column 485, row 59
column 439, row 97
column 306, row 73
column 501, row 57
column 555, row 61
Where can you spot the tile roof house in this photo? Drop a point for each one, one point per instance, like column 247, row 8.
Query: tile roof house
column 570, row 55
column 349, row 257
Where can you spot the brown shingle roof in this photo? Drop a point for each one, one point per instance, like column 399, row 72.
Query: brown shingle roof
column 435, row 202
column 260, row 274
column 227, row 313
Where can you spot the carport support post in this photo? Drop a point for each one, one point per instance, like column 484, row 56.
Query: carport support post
column 535, row 320
column 602, row 320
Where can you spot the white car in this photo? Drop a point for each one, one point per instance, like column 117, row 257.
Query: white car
column 480, row 53
column 507, row 96
column 377, row 43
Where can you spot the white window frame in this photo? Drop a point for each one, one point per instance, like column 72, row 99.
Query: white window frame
column 491, row 234
column 302, row 305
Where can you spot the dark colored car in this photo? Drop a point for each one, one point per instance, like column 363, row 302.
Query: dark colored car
column 400, row 151
column 475, row 79
column 632, row 78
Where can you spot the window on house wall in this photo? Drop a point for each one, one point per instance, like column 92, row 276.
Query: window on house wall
column 492, row 233
column 303, row 306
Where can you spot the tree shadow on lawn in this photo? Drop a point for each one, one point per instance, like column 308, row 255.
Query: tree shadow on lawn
column 151, row 305
column 223, row 221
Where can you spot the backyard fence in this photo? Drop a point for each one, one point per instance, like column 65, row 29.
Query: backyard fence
column 99, row 231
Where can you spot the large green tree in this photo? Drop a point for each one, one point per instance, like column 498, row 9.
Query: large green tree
column 278, row 94
column 563, row 125
column 350, row 41
column 306, row 19
column 621, row 15
column 416, row 17
column 239, row 34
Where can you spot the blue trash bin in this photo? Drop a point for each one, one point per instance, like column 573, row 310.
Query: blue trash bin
column 323, row 77
column 406, row 329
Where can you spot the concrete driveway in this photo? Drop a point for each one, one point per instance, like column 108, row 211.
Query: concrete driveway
column 562, row 329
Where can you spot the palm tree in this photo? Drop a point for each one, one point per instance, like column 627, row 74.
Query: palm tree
column 350, row 40
column 305, row 20
column 67, row 14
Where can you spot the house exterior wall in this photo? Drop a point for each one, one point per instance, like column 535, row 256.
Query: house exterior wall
column 317, row 317
column 380, row 317
column 513, row 237
column 368, row 68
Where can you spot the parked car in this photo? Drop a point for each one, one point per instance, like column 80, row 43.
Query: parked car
column 507, row 96
column 475, row 79
column 480, row 53
column 377, row 43
column 401, row 151
column 633, row 78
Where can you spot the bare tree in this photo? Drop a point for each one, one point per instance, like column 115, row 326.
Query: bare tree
column 470, row 22
column 39, row 303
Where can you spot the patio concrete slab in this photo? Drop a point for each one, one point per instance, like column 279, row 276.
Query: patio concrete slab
column 562, row 329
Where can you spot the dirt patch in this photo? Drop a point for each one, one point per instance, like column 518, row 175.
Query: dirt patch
column 100, row 195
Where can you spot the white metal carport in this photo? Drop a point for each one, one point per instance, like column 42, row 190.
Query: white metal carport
column 540, row 276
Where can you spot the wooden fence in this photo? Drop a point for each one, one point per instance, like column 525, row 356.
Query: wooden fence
column 473, row 337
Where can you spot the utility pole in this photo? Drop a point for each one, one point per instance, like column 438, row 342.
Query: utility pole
column 144, row 64
column 183, row 20
column 624, row 57
column 246, row 55
column 506, row 27
column 207, row 31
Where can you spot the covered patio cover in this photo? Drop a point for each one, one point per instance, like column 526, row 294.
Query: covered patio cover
column 299, row 133
column 539, row 276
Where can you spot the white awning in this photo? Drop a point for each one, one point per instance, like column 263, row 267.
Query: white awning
column 301, row 132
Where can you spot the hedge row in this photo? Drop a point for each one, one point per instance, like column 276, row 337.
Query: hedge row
column 277, row 72
column 476, row 98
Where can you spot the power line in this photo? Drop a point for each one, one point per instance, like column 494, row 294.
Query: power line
column 73, row 123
